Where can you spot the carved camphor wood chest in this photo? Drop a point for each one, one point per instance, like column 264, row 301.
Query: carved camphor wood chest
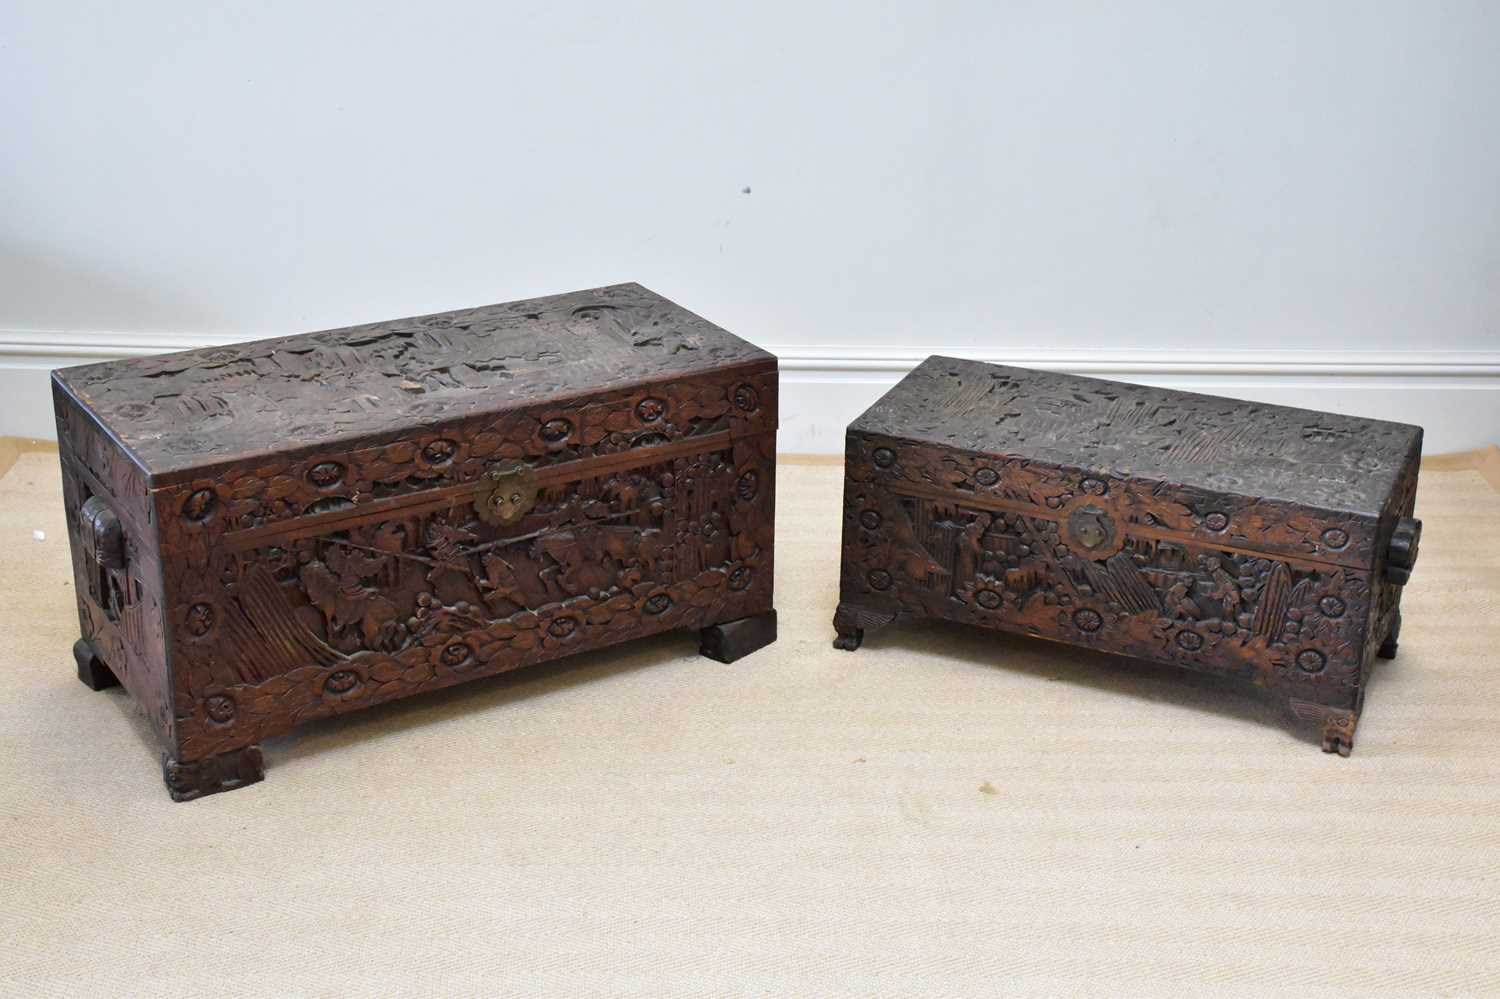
column 270, row 533
column 1248, row 540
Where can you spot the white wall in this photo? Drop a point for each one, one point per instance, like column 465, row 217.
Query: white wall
column 1181, row 192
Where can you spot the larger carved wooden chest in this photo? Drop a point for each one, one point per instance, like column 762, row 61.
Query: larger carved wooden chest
column 275, row 532
column 1248, row 540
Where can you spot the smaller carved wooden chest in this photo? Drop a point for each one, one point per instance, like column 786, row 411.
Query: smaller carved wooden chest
column 274, row 532
column 1248, row 540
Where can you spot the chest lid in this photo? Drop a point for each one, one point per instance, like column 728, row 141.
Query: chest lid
column 1321, row 461
column 186, row 413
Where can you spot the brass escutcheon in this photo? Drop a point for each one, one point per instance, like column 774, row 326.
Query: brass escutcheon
column 1091, row 528
column 507, row 492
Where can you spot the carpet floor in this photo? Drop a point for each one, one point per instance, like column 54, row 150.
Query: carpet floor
column 945, row 812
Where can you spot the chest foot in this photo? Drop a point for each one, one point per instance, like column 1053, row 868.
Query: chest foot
column 1387, row 648
column 1338, row 724
column 92, row 671
column 212, row 774
column 731, row 640
column 851, row 621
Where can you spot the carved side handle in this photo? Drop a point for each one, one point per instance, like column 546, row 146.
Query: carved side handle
column 1402, row 554
column 102, row 534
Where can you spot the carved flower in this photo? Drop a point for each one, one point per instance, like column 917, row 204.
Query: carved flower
column 650, row 409
column 1325, row 615
column 219, row 708
column 1186, row 639
column 341, row 681
column 200, row 619
column 325, row 474
column 1087, row 619
column 746, row 399
column 200, row 504
column 984, row 594
column 456, row 654
column 343, row 685
column 563, row 627
column 440, row 451
column 440, row 455
column 555, row 431
column 1311, row 661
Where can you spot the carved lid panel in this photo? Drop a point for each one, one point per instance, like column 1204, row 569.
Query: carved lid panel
column 203, row 408
column 1224, row 446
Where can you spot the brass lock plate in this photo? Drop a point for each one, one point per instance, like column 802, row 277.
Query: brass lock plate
column 507, row 492
column 1090, row 529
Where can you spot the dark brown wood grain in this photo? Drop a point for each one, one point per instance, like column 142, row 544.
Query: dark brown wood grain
column 512, row 484
column 1253, row 541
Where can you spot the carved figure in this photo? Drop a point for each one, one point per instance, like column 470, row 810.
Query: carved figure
column 344, row 600
column 1225, row 590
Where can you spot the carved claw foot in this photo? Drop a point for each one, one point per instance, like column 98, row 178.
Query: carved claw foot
column 1387, row 648
column 731, row 640
column 1338, row 738
column 851, row 621
column 212, row 774
column 1338, row 724
column 849, row 639
column 91, row 669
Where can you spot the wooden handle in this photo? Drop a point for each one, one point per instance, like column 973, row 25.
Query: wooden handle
column 102, row 534
column 1401, row 556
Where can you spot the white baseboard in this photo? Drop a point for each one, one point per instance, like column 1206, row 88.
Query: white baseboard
column 1455, row 395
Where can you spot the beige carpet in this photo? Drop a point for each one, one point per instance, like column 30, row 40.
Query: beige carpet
column 944, row 812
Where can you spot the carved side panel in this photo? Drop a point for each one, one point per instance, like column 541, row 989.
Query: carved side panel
column 119, row 606
column 317, row 585
column 1386, row 607
column 1222, row 584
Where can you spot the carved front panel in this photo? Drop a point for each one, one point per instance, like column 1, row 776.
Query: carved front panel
column 1219, row 583
column 309, row 586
